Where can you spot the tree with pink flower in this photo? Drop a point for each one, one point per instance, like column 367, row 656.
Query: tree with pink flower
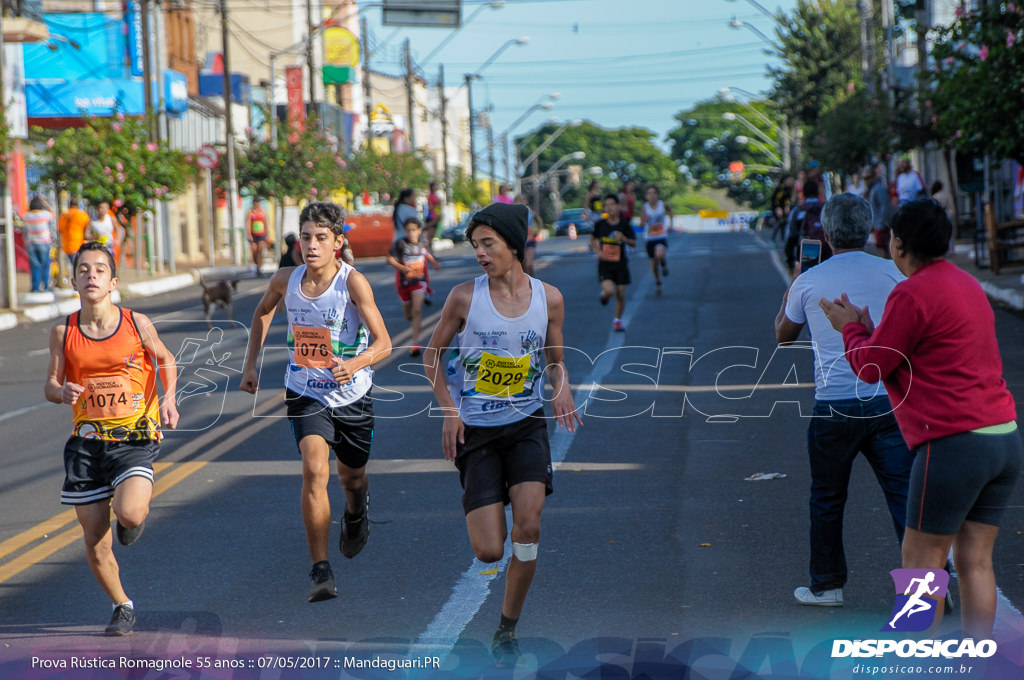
column 978, row 82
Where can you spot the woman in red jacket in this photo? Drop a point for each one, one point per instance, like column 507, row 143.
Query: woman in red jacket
column 935, row 350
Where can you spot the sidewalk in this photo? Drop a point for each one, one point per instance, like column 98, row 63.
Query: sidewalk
column 34, row 307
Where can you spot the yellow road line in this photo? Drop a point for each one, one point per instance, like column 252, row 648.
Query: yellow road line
column 65, row 538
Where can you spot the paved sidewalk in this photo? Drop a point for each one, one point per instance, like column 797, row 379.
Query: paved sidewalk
column 35, row 307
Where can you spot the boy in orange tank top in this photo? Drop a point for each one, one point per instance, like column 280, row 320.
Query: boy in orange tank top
column 103, row 363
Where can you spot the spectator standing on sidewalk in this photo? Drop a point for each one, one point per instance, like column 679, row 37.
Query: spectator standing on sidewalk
column 844, row 422
column 881, row 210
column 72, row 225
column 909, row 183
column 38, row 240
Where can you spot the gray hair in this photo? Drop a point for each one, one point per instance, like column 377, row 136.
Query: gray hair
column 846, row 219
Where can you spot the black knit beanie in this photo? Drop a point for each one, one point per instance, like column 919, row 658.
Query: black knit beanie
column 509, row 220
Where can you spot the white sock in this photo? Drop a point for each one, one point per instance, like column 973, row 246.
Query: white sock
column 131, row 605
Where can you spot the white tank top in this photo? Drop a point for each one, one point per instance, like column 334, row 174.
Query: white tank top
column 496, row 366
column 320, row 329
column 654, row 221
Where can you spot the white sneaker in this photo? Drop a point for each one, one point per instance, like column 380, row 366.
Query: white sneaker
column 827, row 598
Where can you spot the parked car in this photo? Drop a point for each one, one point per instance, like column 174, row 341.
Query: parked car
column 584, row 225
column 456, row 232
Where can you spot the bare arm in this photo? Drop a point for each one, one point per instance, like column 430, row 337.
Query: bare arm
column 786, row 330
column 55, row 389
column 362, row 297
column 562, row 403
column 453, row 316
column 261, row 319
column 166, row 367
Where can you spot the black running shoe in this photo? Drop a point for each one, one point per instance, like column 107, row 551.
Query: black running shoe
column 129, row 536
column 355, row 531
column 322, row 582
column 122, row 622
column 505, row 648
column 664, row 269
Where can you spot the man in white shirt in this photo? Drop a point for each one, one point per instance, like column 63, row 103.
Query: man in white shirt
column 909, row 183
column 850, row 416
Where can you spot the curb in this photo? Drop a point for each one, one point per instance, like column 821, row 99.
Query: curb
column 53, row 310
column 1008, row 296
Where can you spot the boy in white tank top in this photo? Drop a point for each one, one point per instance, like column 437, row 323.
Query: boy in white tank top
column 331, row 316
column 504, row 330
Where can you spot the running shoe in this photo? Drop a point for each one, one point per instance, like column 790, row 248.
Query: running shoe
column 657, row 290
column 505, row 648
column 427, row 301
column 122, row 621
column 129, row 536
column 605, row 299
column 664, row 268
column 355, row 531
column 618, row 327
column 322, row 582
column 826, row 598
column 415, row 351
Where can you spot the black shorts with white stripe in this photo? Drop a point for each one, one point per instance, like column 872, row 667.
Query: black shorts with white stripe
column 94, row 467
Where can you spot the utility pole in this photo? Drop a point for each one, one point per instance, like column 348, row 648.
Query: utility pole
column 867, row 43
column 309, row 51
column 444, row 132
column 410, row 98
column 147, row 71
column 10, row 280
column 490, row 152
column 472, row 128
column 229, row 137
column 364, row 34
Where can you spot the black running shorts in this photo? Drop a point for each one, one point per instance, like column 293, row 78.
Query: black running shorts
column 654, row 243
column 616, row 272
column 495, row 458
column 967, row 476
column 348, row 430
column 94, row 467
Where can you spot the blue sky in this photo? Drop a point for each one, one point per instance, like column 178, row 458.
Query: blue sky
column 615, row 62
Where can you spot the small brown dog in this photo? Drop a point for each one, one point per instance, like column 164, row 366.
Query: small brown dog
column 218, row 293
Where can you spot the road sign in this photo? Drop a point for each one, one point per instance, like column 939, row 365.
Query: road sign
column 423, row 13
column 207, row 157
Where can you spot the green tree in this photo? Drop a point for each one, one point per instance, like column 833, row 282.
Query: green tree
column 112, row 159
column 978, row 81
column 819, row 48
column 305, row 164
column 623, row 154
column 6, row 143
column 704, row 144
column 384, row 174
column 851, row 132
column 465, row 190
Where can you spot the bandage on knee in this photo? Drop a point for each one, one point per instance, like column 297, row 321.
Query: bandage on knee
column 524, row 552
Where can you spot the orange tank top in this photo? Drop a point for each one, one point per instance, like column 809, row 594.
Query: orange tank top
column 120, row 402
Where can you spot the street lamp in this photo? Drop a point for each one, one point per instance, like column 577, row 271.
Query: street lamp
column 782, row 131
column 736, row 23
column 743, row 139
column 545, row 103
column 735, row 116
column 497, row 4
column 764, row 10
column 469, row 95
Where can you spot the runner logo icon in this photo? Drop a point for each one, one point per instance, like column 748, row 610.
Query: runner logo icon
column 919, row 594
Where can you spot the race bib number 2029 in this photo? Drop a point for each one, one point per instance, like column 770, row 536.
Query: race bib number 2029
column 502, row 376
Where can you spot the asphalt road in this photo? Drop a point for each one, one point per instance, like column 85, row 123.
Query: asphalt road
column 657, row 554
